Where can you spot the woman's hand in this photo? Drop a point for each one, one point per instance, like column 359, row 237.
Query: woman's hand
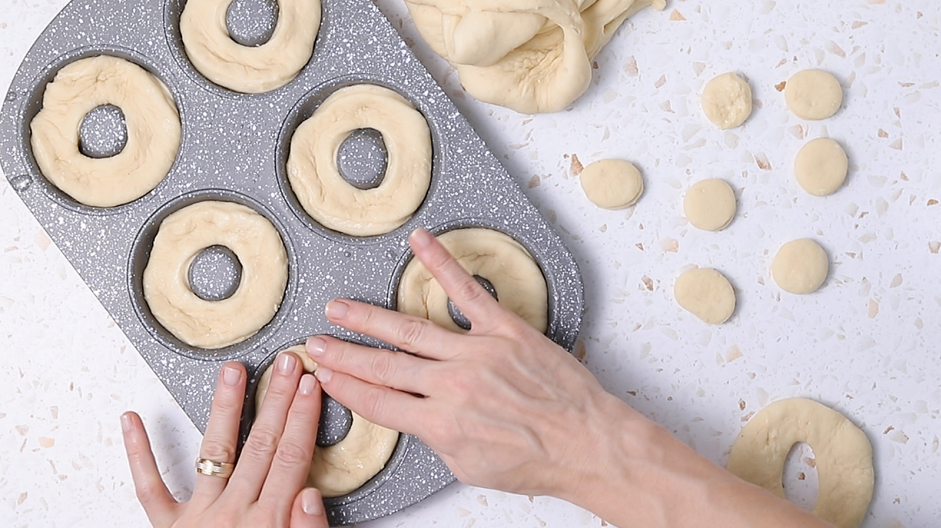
column 266, row 487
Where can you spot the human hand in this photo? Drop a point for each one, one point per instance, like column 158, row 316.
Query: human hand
column 266, row 486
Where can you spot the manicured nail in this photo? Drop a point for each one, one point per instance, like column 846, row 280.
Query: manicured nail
column 126, row 422
column 337, row 309
column 231, row 376
column 286, row 363
column 311, row 502
column 308, row 384
column 421, row 238
column 324, row 374
column 315, row 346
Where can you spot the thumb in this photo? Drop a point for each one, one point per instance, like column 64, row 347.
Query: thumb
column 308, row 511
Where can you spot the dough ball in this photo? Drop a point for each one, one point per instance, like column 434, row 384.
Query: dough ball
column 800, row 266
column 813, row 94
column 726, row 100
column 612, row 184
column 820, row 167
column 710, row 205
column 705, row 293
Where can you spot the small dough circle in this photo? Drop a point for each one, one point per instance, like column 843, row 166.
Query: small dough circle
column 345, row 466
column 612, row 183
column 323, row 192
column 517, row 279
column 710, row 205
column 180, row 238
column 727, row 100
column 821, row 166
column 842, row 451
column 813, row 94
column 800, row 266
column 249, row 69
column 153, row 131
column 705, row 293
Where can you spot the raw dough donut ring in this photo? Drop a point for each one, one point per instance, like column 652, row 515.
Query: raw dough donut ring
column 345, row 466
column 215, row 324
column 842, row 450
column 249, row 69
column 320, row 188
column 153, row 131
column 517, row 279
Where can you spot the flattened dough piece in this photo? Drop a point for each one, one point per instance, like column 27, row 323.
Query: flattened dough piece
column 726, row 100
column 813, row 94
column 820, row 167
column 710, row 205
column 705, row 293
column 842, row 451
column 800, row 266
column 612, row 183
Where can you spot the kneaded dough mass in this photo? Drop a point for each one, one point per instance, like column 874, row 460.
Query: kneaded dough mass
column 820, row 167
column 705, row 293
column 345, row 466
column 726, row 100
column 612, row 183
column 813, row 94
column 181, row 237
column 842, row 451
column 710, row 205
column 517, row 279
column 800, row 266
column 153, row 131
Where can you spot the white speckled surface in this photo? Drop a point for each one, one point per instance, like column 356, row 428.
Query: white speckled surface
column 867, row 343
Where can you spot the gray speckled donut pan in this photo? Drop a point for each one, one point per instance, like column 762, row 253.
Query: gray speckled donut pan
column 234, row 147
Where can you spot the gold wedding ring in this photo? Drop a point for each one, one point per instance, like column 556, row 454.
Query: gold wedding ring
column 213, row 468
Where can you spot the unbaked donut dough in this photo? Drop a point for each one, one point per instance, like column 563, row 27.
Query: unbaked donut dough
column 249, row 69
column 705, row 293
column 517, row 279
column 153, row 131
column 710, row 204
column 612, row 183
column 842, row 451
column 813, row 94
column 323, row 192
column 800, row 266
column 820, row 167
column 726, row 100
column 345, row 466
column 181, row 237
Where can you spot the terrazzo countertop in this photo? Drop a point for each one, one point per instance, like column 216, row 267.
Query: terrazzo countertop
column 866, row 344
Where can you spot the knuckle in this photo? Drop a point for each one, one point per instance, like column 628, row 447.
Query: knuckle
column 471, row 291
column 382, row 366
column 262, row 443
column 411, row 333
column 292, row 454
column 441, row 432
column 146, row 493
column 373, row 401
column 218, row 451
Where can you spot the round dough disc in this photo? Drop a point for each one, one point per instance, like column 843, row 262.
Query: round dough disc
column 705, row 293
column 726, row 100
column 710, row 205
column 612, row 183
column 820, row 167
column 813, row 94
column 800, row 266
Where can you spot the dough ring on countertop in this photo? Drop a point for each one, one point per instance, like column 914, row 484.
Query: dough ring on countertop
column 842, row 451
column 519, row 283
column 249, row 69
column 330, row 199
column 345, row 466
column 181, row 237
column 153, row 131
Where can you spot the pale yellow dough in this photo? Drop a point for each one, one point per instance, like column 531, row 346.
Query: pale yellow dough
column 726, row 100
column 820, row 167
column 153, row 131
column 517, row 279
column 813, row 94
column 710, row 205
column 215, row 324
column 705, row 293
column 249, row 69
column 345, row 466
column 842, row 451
column 800, row 266
column 320, row 188
column 612, row 183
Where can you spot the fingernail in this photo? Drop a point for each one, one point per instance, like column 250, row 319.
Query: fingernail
column 308, row 384
column 337, row 309
column 315, row 346
column 421, row 238
column 231, row 376
column 311, row 502
column 286, row 363
column 126, row 422
column 324, row 374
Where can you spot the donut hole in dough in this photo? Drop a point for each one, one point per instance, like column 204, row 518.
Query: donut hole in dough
column 252, row 22
column 516, row 279
column 182, row 238
column 329, row 198
column 214, row 273
column 800, row 266
column 813, row 94
column 843, row 456
column 612, row 183
column 362, row 158
column 727, row 100
column 710, row 205
column 123, row 159
column 705, row 293
column 820, row 167
column 355, row 455
column 800, row 482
